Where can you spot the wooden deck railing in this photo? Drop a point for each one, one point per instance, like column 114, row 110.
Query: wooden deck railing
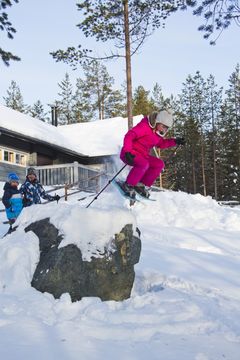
column 84, row 177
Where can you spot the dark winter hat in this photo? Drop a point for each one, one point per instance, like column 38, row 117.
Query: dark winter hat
column 13, row 177
column 31, row 171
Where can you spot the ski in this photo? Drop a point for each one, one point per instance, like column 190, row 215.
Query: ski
column 144, row 197
column 10, row 230
column 86, row 197
column 118, row 184
column 138, row 197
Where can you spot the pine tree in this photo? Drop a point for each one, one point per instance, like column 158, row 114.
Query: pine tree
column 98, row 85
column 37, row 111
column 6, row 25
column 64, row 104
column 115, row 105
column 82, row 108
column 202, row 121
column 158, row 99
column 214, row 103
column 218, row 15
column 192, row 136
column 191, row 122
column 231, row 135
column 97, row 90
column 14, row 98
column 126, row 22
column 141, row 102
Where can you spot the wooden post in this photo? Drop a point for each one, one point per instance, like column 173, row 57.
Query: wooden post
column 75, row 172
column 65, row 191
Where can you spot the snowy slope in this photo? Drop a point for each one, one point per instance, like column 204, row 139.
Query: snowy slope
column 186, row 298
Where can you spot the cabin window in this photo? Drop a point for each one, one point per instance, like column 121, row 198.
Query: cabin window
column 13, row 157
column 8, row 156
column 20, row 159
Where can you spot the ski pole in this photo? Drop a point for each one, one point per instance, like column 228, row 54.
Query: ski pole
column 109, row 182
column 172, row 155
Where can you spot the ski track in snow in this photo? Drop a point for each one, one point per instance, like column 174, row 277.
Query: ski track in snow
column 185, row 303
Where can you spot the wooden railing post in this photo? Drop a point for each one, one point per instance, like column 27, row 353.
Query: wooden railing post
column 65, row 192
column 69, row 175
column 75, row 172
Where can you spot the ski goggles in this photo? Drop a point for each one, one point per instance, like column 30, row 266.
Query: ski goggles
column 162, row 129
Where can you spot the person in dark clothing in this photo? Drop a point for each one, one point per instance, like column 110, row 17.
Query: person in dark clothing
column 33, row 191
column 12, row 198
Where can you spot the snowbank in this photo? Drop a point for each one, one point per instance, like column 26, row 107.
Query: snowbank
column 90, row 229
column 186, row 298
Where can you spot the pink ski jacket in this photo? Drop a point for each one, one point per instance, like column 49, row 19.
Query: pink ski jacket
column 141, row 139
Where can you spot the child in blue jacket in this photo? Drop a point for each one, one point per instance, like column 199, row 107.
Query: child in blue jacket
column 12, row 198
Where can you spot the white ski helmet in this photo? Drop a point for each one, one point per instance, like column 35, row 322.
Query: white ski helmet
column 164, row 116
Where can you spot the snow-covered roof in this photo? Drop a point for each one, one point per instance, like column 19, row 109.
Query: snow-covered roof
column 95, row 138
column 99, row 137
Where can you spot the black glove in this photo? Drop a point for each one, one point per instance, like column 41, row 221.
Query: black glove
column 56, row 197
column 129, row 158
column 180, row 141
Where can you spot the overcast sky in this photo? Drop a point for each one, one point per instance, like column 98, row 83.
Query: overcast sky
column 167, row 57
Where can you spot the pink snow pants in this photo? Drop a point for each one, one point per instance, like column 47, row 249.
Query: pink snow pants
column 144, row 170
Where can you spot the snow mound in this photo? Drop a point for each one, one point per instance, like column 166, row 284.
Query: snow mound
column 90, row 229
column 186, row 291
column 181, row 210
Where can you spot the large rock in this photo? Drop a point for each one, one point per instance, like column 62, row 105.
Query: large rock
column 109, row 275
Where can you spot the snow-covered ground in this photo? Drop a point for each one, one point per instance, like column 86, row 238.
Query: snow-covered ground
column 185, row 304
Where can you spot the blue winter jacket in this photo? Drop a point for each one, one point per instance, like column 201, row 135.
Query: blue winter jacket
column 12, row 200
column 33, row 192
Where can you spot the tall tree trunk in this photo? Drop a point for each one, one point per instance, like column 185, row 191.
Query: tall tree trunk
column 193, row 172
column 203, row 167
column 99, row 103
column 103, row 110
column 214, row 155
column 128, row 64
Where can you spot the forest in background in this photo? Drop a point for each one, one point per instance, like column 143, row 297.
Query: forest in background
column 205, row 114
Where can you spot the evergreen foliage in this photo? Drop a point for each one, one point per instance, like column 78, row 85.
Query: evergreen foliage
column 82, row 109
column 207, row 118
column 14, row 98
column 126, row 23
column 157, row 97
column 94, row 97
column 6, row 25
column 218, row 15
column 97, row 87
column 37, row 111
column 141, row 102
column 210, row 161
column 64, row 104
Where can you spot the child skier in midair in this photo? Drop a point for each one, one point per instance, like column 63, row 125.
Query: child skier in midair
column 138, row 142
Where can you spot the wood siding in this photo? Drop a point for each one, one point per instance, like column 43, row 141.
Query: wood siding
column 6, row 168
